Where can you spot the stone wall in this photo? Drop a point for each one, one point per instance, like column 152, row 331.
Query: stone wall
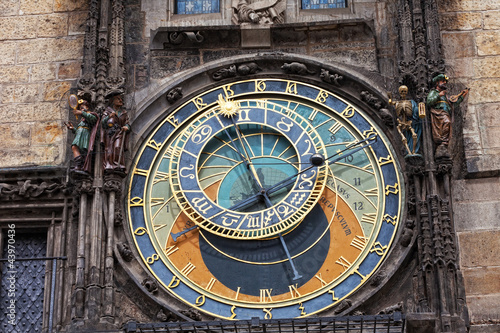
column 41, row 49
column 471, row 36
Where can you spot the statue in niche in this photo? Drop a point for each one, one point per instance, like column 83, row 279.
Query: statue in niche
column 85, row 133
column 441, row 107
column 115, row 126
column 258, row 11
column 409, row 121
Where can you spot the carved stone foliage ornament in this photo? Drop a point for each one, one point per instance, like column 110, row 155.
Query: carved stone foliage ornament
column 27, row 189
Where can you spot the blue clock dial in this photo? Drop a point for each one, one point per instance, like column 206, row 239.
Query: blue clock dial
column 265, row 198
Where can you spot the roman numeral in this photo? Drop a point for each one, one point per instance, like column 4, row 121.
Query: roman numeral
column 265, row 295
column 359, row 242
column 344, row 263
column 369, row 218
column 188, row 269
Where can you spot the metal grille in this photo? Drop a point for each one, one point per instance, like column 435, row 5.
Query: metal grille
column 390, row 323
column 28, row 278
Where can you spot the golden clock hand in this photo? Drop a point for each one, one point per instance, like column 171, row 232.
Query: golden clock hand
column 318, row 159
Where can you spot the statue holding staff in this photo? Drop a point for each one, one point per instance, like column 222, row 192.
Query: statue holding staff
column 441, row 108
column 115, row 126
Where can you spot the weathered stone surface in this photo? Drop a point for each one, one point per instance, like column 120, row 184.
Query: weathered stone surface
column 53, row 91
column 460, row 68
column 484, row 91
column 479, row 248
column 16, row 113
column 51, row 49
column 458, row 45
column 69, row 6
column 492, row 19
column 466, row 5
column 476, row 215
column 18, row 27
column 362, row 58
column 31, row 156
column 15, row 134
column 77, row 22
column 470, row 120
column 9, row 7
column 36, row 6
column 52, row 110
column 483, row 163
column 486, row 67
column 69, row 70
column 8, row 52
column 481, row 281
column 162, row 67
column 488, row 114
column 460, row 21
column 491, row 137
column 487, row 43
column 46, row 133
column 20, row 93
column 486, row 189
column 54, row 25
column 43, row 72
column 485, row 328
column 10, row 74
column 484, row 308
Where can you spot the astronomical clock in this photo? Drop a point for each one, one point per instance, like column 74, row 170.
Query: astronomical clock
column 264, row 198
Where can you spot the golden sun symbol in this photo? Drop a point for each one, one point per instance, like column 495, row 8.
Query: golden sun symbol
column 228, row 108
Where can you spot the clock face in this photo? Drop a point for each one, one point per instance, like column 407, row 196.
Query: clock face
column 264, row 198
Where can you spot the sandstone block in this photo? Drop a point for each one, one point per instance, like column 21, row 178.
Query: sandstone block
column 460, row 68
column 483, row 309
column 17, row 27
column 479, row 248
column 492, row 19
column 16, row 113
column 69, row 6
column 36, row 6
column 486, row 67
column 484, row 280
column 483, row 189
column 491, row 137
column 46, row 133
column 50, row 49
column 466, row 5
column 470, row 216
column 458, row 45
column 9, row 7
column 11, row 74
column 8, row 52
column 488, row 114
column 487, row 43
column 69, row 70
column 489, row 162
column 484, row 91
column 20, row 93
column 43, row 155
column 51, row 110
column 53, row 91
column 460, row 21
column 470, row 121
column 77, row 22
column 53, row 25
column 15, row 135
column 43, row 72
